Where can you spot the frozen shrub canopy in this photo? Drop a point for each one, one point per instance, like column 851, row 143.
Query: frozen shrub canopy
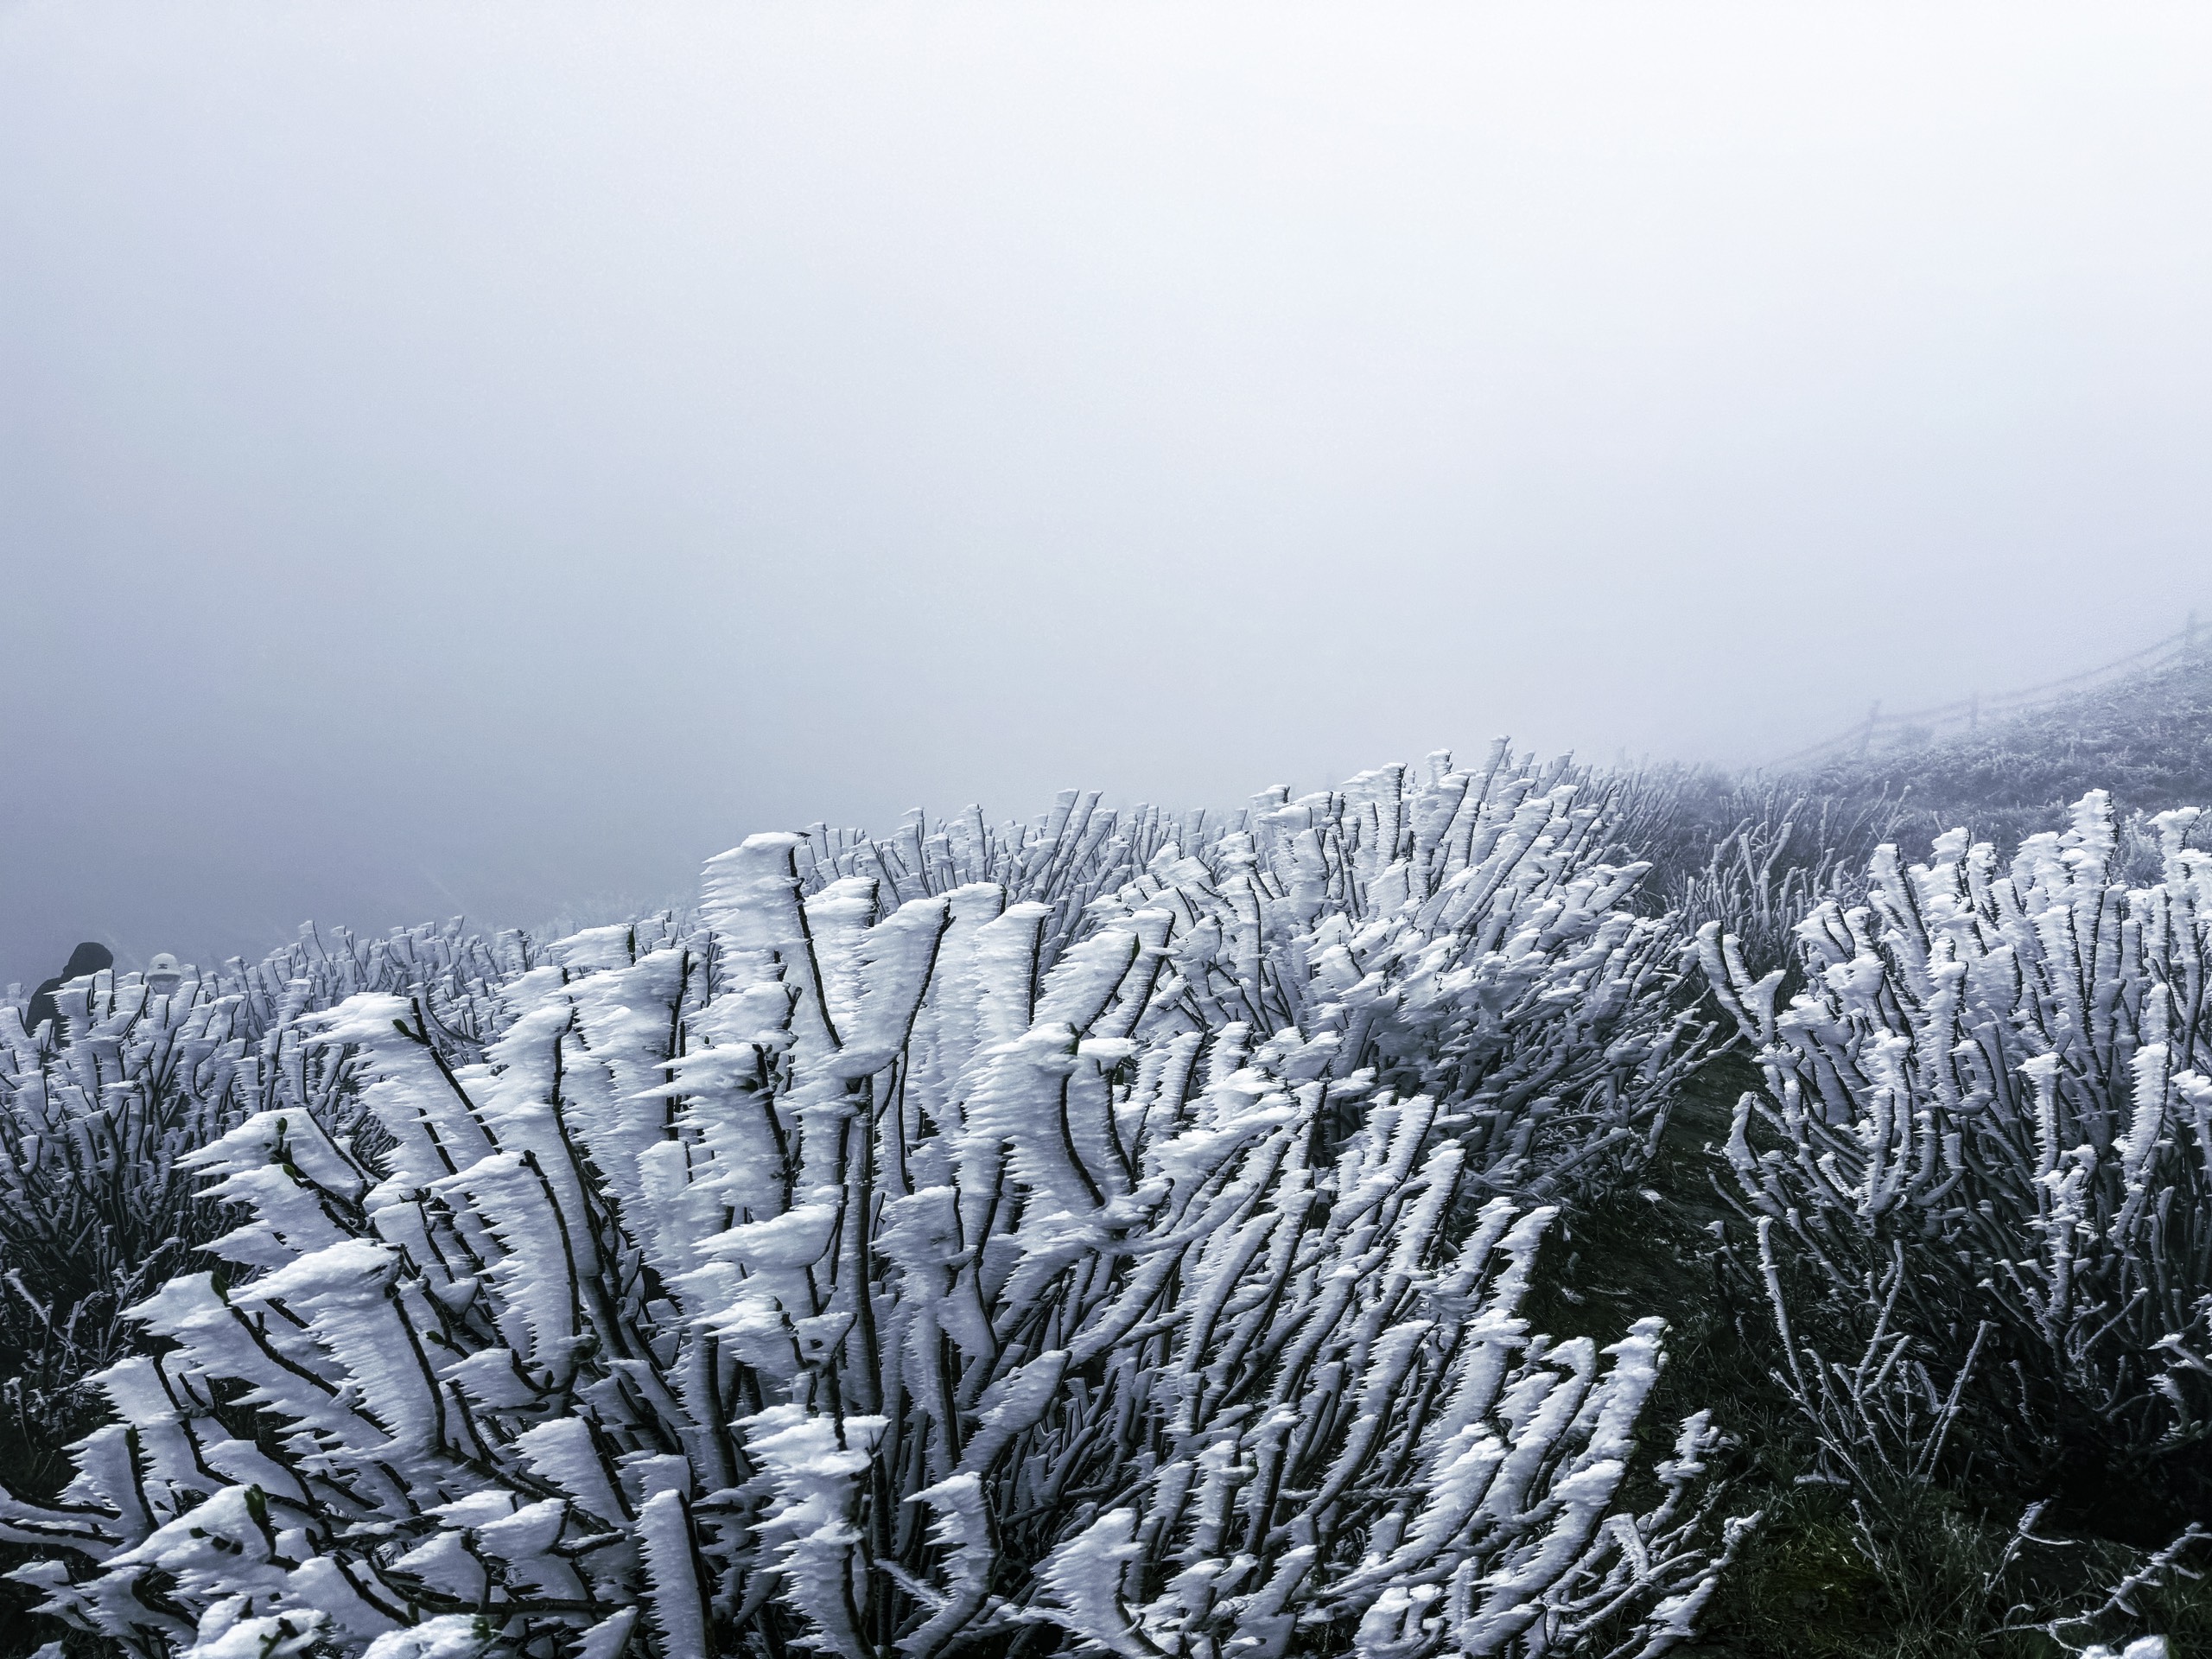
column 98, row 1108
column 1107, row 1233
column 2005, row 1069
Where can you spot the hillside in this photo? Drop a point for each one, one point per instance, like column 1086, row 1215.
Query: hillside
column 2146, row 738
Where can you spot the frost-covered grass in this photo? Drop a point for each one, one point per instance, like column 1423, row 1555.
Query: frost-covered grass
column 2146, row 740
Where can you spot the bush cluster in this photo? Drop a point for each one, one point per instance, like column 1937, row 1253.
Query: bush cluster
column 1206, row 1234
column 1106, row 1233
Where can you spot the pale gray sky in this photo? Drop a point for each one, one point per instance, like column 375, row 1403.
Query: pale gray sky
column 488, row 457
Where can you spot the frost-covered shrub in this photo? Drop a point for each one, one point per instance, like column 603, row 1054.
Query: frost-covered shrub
column 96, row 1207
column 1769, row 872
column 904, row 1266
column 1989, row 1117
column 1756, row 858
column 1462, row 932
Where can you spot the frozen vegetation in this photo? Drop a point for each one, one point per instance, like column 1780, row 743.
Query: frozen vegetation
column 1151, row 1234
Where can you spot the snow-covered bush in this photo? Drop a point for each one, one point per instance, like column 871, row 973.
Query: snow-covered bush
column 1461, row 932
column 1762, row 878
column 1108, row 1253
column 1754, row 858
column 1988, row 1120
column 96, row 1208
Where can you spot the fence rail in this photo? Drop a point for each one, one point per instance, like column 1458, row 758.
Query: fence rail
column 1970, row 711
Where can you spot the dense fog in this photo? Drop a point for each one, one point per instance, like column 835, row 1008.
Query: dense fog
column 488, row 459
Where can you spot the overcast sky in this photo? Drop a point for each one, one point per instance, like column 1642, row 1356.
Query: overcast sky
column 487, row 458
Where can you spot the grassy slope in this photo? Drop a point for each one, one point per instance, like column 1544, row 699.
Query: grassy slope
column 2148, row 740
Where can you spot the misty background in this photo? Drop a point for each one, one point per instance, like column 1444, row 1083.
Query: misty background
column 485, row 459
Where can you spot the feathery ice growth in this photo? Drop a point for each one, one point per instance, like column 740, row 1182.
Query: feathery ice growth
column 1108, row 1234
